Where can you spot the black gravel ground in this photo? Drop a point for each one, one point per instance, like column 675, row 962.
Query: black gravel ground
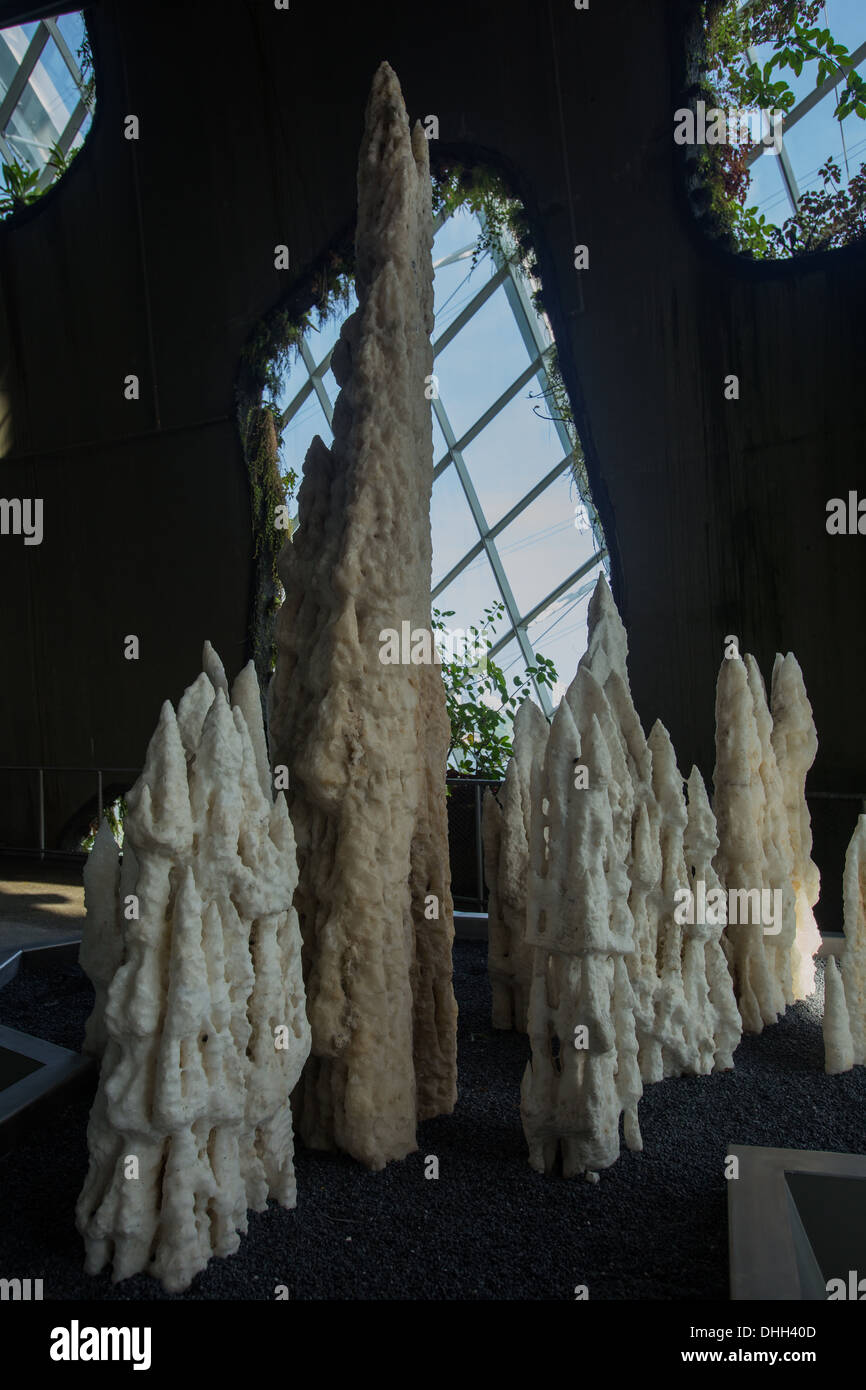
column 653, row 1227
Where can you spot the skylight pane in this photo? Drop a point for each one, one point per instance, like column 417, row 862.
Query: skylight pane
column 512, row 453
column 559, row 633
column 480, row 363
column 454, row 530
column 469, row 594
column 543, row 546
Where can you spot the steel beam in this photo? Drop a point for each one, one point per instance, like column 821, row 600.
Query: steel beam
column 22, row 76
column 506, row 520
column 533, row 613
column 806, row 105
column 318, row 385
column 490, row 549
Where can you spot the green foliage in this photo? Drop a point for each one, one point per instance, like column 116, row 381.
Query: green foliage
column 85, row 65
column 264, row 362
column 59, row 161
column 483, row 193
column 828, row 217
column 505, row 232
column 19, row 188
column 115, row 814
column 20, row 184
column 480, row 706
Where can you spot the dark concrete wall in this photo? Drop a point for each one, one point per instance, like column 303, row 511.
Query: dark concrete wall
column 156, row 257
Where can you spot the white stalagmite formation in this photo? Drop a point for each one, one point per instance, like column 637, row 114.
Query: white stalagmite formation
column 795, row 743
column 780, row 943
column 366, row 742
column 678, row 1040
column 845, row 999
column 195, row 953
column 717, row 1010
column 838, row 1043
column 623, row 991
column 583, row 1073
column 741, row 862
column 764, row 838
column 506, row 832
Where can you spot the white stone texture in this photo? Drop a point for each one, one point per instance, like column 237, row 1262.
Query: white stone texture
column 192, row 1083
column 671, row 1007
column 606, row 862
column 722, row 1018
column 795, row 743
column 741, row 862
column 838, row 1043
column 780, row 946
column 579, row 923
column 845, row 1000
column 764, row 835
column 505, row 831
column 366, row 742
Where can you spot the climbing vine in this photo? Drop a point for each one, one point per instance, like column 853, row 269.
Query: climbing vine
column 265, row 360
column 268, row 354
column 832, row 215
column 505, row 231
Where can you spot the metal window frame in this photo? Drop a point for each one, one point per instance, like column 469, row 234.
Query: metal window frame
column 47, row 31
column 507, row 275
column 802, row 108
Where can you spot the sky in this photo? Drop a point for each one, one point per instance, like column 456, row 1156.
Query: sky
column 543, row 545
column 51, row 80
column 818, row 135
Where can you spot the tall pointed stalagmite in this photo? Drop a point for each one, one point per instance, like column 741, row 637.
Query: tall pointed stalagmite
column 506, row 863
column 366, row 742
column 741, row 862
column 625, row 989
column 795, row 743
column 764, row 835
column 199, row 1020
column 845, row 1000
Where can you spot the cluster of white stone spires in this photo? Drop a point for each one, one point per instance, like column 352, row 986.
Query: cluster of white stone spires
column 196, row 944
column 204, row 1021
column 199, row 1022
column 590, row 856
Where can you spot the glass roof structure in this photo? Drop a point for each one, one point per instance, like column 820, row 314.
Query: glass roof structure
column 810, row 132
column 45, row 101
column 508, row 521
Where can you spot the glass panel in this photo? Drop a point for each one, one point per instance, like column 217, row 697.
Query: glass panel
column 298, row 435
column 846, row 21
column 454, row 531
column 455, row 285
column 469, row 594
column 766, row 189
column 512, row 453
column 811, row 143
column 543, row 546
column 560, row 632
column 477, row 366
column 294, row 378
column 329, row 381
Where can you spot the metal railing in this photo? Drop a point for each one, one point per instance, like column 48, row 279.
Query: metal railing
column 40, row 770
column 464, row 811
column 467, row 871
